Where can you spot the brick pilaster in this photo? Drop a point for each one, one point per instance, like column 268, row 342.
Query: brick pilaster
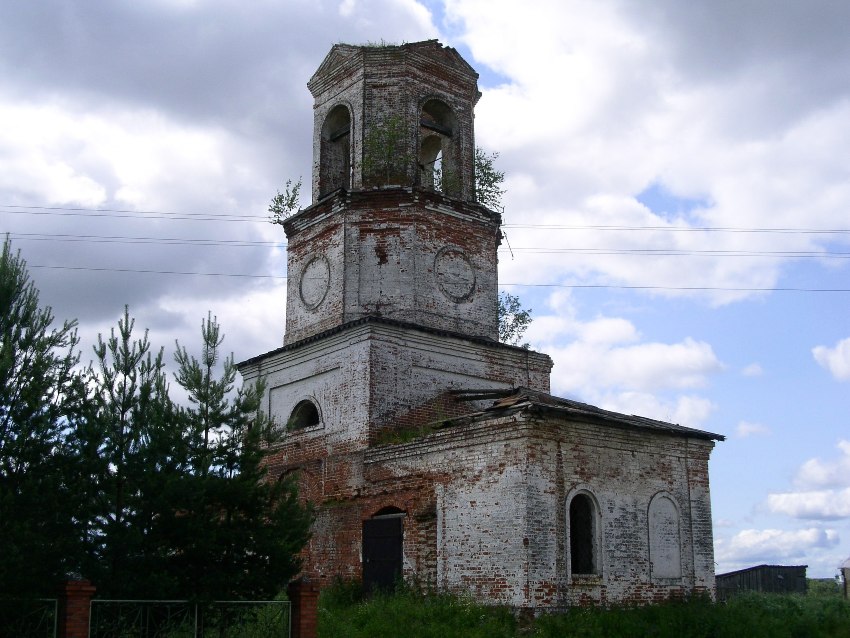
column 304, row 597
column 74, row 607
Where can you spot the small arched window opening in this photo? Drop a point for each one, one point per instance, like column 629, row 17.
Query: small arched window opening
column 304, row 415
column 335, row 152
column 582, row 523
column 437, row 165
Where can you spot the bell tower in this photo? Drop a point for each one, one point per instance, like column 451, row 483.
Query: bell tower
column 394, row 230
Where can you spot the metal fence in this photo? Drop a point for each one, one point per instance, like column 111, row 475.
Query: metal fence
column 182, row 619
column 29, row 618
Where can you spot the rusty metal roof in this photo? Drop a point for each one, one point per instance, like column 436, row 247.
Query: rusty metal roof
column 525, row 399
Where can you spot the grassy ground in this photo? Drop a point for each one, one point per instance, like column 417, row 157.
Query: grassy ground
column 343, row 613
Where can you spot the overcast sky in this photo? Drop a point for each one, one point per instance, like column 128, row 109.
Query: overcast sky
column 678, row 202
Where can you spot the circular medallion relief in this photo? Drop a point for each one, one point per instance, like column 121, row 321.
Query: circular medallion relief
column 315, row 281
column 455, row 274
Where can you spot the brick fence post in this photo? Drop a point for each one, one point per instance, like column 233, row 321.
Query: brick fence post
column 304, row 598
column 74, row 607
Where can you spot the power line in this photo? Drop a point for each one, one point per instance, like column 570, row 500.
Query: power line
column 159, row 272
column 686, row 229
column 673, row 252
column 124, row 239
column 681, row 288
column 117, row 214
column 648, row 252
column 154, row 214
column 576, row 286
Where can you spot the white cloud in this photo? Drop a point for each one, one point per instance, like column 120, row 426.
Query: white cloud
column 752, row 370
column 816, row 505
column 605, row 361
column 835, row 359
column 830, row 474
column 824, row 492
column 774, row 545
column 136, row 158
column 687, row 410
column 583, row 365
column 635, row 104
column 746, row 429
column 35, row 158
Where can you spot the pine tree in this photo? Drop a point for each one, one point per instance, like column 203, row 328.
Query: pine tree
column 38, row 386
column 102, row 474
column 120, row 440
column 238, row 532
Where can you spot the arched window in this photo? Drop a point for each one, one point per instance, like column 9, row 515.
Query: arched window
column 665, row 545
column 584, row 550
column 335, row 157
column 304, row 415
column 437, row 166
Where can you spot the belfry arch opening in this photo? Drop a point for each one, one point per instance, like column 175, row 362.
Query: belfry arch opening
column 335, row 152
column 437, row 157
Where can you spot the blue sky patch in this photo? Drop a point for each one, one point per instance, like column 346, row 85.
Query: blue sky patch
column 664, row 203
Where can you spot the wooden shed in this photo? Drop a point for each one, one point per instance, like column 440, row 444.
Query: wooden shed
column 780, row 579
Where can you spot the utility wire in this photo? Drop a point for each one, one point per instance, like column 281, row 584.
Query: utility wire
column 688, row 229
column 576, row 286
column 644, row 252
column 153, row 214
column 159, row 272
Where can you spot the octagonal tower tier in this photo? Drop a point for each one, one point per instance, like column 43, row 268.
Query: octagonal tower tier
column 394, row 230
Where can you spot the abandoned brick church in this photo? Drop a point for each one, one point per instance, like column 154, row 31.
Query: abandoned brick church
column 431, row 451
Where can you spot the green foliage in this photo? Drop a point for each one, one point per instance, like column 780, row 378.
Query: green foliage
column 287, row 203
column 372, row 44
column 488, row 181
column 829, row 587
column 445, row 180
column 386, row 156
column 239, row 532
column 103, row 474
column 127, row 415
column 189, row 512
column 344, row 612
column 395, row 436
column 513, row 319
column 752, row 615
column 38, row 386
column 409, row 612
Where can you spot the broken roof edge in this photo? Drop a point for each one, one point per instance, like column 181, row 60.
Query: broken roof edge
column 524, row 399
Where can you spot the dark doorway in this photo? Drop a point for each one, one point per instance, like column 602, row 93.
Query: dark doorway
column 382, row 551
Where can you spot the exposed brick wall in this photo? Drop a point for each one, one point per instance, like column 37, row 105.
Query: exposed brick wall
column 381, row 248
column 392, row 304
column 378, row 82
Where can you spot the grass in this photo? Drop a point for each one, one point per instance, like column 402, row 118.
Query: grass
column 345, row 613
